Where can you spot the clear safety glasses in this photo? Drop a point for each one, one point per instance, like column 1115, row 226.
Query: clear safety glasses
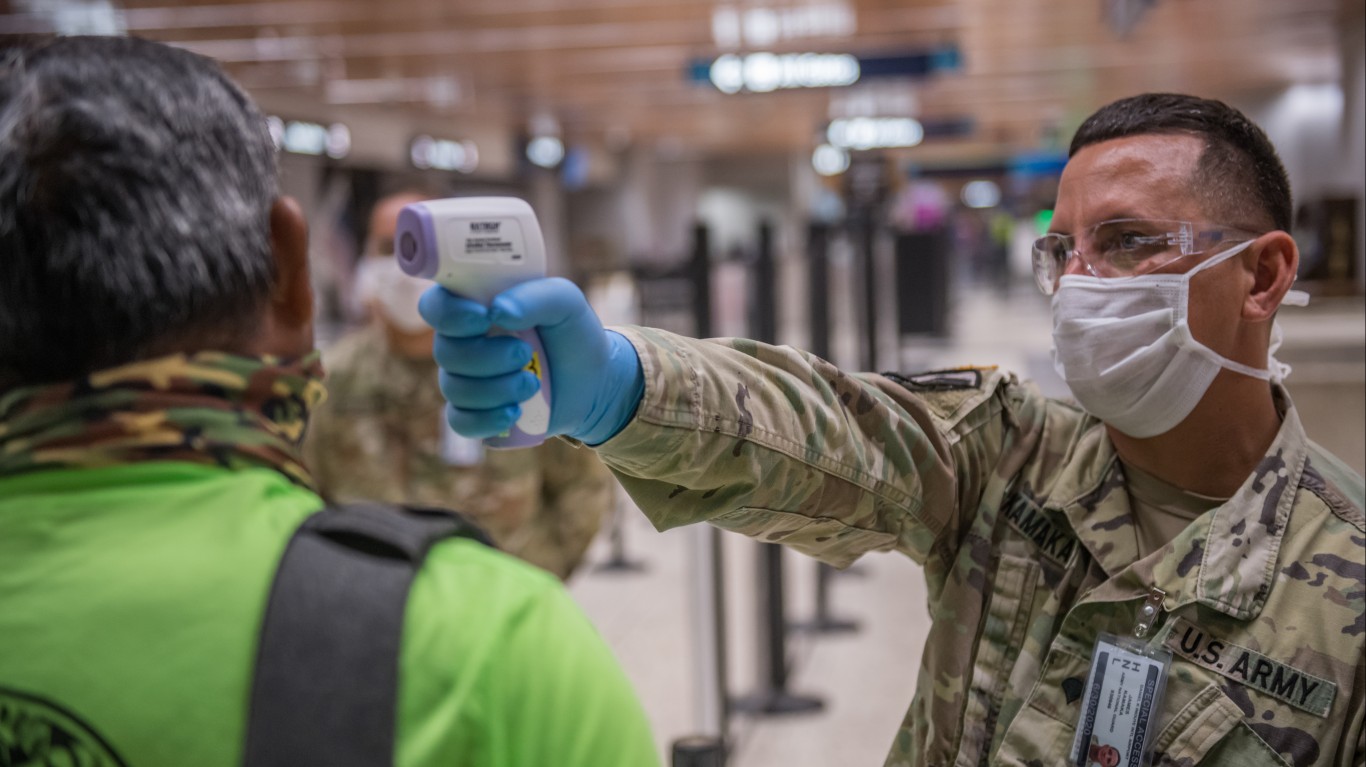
column 1127, row 247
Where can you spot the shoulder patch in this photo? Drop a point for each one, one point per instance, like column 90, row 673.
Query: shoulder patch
column 941, row 380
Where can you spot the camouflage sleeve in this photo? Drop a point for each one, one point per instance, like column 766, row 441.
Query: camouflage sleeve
column 347, row 449
column 336, row 450
column 576, row 493
column 782, row 446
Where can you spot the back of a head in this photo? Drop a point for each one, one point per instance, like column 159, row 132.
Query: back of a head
column 136, row 183
column 1240, row 177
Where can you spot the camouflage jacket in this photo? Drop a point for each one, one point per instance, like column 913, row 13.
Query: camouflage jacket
column 380, row 436
column 1016, row 507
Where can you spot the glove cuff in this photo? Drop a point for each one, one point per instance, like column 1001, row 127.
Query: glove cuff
column 621, row 393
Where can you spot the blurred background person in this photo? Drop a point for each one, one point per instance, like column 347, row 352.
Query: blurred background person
column 382, row 434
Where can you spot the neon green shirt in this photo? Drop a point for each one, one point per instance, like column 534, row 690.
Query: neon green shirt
column 131, row 598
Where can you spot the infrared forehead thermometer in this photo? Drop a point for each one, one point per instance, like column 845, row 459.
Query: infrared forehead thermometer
column 478, row 247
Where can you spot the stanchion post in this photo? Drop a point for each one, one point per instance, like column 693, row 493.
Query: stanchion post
column 818, row 303
column 773, row 696
column 867, row 286
column 698, row 751
column 617, row 560
column 708, row 591
column 863, row 233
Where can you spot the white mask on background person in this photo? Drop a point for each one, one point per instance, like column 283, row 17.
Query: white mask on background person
column 1125, row 349
column 380, row 281
column 366, row 278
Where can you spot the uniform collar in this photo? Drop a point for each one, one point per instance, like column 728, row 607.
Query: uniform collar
column 1225, row 559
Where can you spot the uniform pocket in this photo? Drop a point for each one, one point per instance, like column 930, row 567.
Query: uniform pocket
column 1209, row 729
column 1034, row 739
column 1003, row 630
column 1042, row 732
column 1061, row 682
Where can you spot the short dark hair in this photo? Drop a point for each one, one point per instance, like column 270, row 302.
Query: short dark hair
column 1240, row 176
column 136, row 182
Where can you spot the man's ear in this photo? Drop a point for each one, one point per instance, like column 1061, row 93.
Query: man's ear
column 291, row 302
column 1275, row 260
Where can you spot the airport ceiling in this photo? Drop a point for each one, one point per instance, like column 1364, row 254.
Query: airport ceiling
column 616, row 72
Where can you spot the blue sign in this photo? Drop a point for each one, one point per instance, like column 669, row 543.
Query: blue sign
column 923, row 64
column 732, row 73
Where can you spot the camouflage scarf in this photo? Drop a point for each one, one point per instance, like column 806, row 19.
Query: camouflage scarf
column 209, row 407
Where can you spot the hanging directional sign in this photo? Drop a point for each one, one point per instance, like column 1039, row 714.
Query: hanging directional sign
column 305, row 137
column 763, row 72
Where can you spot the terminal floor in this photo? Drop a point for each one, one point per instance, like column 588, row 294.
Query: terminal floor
column 866, row 678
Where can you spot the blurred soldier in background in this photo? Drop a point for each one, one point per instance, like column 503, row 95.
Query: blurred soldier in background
column 382, row 433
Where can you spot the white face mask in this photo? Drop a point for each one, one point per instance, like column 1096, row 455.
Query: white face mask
column 379, row 279
column 1124, row 347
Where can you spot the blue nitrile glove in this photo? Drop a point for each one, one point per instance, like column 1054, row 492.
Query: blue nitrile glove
column 596, row 381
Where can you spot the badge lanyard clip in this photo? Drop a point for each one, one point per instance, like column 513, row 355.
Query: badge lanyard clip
column 1149, row 612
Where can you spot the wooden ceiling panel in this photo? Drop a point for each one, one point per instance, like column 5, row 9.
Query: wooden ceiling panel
column 600, row 66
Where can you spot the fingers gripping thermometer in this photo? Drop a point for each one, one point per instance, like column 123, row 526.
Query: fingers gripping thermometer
column 478, row 247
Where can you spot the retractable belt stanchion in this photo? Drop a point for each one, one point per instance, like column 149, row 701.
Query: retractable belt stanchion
column 697, row 751
column 617, row 560
column 706, row 577
column 864, row 237
column 818, row 306
column 772, row 697
column 863, row 232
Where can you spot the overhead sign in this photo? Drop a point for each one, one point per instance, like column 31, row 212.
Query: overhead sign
column 764, row 72
column 426, row 152
column 1124, row 15
column 310, row 138
column 545, row 151
column 875, row 132
column 917, row 64
column 760, row 27
column 982, row 193
column 829, row 160
column 863, row 133
column 78, row 17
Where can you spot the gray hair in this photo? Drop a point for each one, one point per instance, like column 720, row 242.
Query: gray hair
column 136, row 182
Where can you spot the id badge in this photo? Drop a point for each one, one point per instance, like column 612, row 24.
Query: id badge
column 1120, row 707
column 457, row 450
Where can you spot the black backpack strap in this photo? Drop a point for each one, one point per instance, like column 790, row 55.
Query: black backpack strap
column 326, row 685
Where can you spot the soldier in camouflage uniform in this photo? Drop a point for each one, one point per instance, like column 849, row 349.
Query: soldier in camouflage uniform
column 381, row 434
column 1229, row 538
